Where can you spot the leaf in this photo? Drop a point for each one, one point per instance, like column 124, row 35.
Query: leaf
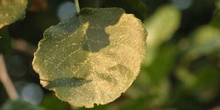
column 205, row 40
column 19, row 105
column 163, row 64
column 11, row 10
column 93, row 57
column 216, row 16
column 162, row 25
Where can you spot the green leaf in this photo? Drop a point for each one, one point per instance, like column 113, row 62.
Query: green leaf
column 19, row 105
column 163, row 64
column 93, row 57
column 216, row 16
column 11, row 10
column 205, row 40
column 161, row 26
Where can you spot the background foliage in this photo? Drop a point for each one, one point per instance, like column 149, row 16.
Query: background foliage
column 181, row 70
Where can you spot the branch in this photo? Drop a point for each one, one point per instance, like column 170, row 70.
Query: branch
column 6, row 81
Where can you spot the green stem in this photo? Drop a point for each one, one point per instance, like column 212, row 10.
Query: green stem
column 77, row 6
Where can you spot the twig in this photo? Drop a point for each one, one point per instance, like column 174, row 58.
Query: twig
column 6, row 81
column 77, row 6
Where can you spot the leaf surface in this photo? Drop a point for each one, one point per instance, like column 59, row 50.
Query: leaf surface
column 11, row 10
column 93, row 57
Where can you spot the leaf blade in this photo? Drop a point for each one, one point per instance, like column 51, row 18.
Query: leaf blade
column 96, row 55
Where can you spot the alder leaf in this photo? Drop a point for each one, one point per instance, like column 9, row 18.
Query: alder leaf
column 93, row 57
column 11, row 10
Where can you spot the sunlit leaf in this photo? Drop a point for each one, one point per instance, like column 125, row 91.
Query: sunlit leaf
column 93, row 57
column 161, row 26
column 19, row 105
column 11, row 10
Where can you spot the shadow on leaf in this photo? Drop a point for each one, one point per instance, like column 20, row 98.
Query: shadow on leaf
column 65, row 82
column 98, row 20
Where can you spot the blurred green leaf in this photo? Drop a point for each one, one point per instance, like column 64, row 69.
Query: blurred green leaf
column 186, row 77
column 163, row 64
column 206, row 86
column 19, row 105
column 161, row 26
column 216, row 17
column 159, row 71
column 51, row 102
column 205, row 41
column 93, row 57
column 153, row 80
column 11, row 10
column 208, row 77
column 201, row 84
column 139, row 104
